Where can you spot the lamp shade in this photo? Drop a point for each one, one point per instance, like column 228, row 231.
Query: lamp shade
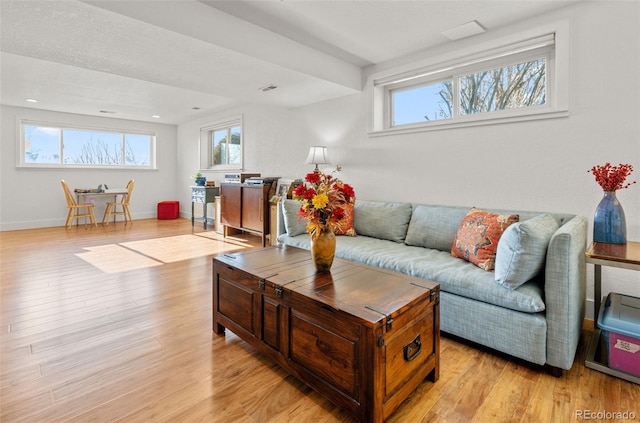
column 317, row 155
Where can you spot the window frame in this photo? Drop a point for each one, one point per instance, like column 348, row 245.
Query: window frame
column 21, row 150
column 550, row 42
column 456, row 74
column 206, row 143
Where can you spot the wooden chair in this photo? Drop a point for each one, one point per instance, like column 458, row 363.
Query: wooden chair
column 124, row 203
column 76, row 211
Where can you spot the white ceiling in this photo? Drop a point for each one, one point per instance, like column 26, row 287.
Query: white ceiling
column 136, row 59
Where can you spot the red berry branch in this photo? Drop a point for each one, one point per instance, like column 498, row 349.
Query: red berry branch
column 611, row 178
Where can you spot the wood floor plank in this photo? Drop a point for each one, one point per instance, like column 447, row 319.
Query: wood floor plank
column 85, row 337
column 509, row 396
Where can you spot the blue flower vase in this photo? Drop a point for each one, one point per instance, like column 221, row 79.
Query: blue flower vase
column 609, row 224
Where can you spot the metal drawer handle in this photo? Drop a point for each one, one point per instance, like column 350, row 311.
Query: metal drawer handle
column 412, row 349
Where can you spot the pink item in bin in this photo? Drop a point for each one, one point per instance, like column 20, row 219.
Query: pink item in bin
column 619, row 319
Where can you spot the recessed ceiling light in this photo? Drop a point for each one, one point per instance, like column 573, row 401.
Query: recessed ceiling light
column 196, row 108
column 463, row 31
column 108, row 112
column 156, row 116
column 31, row 100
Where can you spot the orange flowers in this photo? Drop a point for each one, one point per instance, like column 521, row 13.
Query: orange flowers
column 323, row 200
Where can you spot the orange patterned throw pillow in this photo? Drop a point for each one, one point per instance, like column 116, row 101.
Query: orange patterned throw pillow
column 345, row 226
column 476, row 240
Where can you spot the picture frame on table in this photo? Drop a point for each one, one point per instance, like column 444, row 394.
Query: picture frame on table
column 282, row 188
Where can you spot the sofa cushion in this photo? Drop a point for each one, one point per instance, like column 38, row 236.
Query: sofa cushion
column 476, row 240
column 345, row 226
column 522, row 250
column 387, row 221
column 434, row 226
column 293, row 223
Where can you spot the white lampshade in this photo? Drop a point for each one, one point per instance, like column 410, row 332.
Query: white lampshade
column 317, row 155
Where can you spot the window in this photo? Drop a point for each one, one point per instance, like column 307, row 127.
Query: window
column 514, row 82
column 226, row 146
column 47, row 145
column 221, row 145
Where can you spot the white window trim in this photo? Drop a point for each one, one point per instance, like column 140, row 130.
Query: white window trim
column 450, row 64
column 20, row 151
column 205, row 152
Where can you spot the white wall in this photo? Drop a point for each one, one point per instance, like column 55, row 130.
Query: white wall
column 33, row 198
column 539, row 165
column 265, row 149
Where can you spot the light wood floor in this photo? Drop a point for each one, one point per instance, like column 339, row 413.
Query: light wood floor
column 114, row 324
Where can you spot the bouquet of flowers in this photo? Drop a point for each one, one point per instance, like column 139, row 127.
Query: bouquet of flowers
column 324, row 200
column 611, row 178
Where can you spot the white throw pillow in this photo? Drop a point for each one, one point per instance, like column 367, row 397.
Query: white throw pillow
column 293, row 223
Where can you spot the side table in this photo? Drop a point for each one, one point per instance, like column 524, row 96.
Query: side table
column 624, row 256
column 203, row 195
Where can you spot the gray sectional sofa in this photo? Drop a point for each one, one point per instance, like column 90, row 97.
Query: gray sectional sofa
column 538, row 318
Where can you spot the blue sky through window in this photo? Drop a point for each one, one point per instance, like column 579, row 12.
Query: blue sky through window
column 420, row 104
column 42, row 144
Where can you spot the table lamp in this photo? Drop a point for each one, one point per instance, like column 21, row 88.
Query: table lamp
column 317, row 156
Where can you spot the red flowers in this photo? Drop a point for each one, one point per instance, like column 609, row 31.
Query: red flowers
column 314, row 177
column 611, row 178
column 323, row 200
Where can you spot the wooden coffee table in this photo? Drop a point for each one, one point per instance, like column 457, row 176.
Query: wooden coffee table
column 363, row 337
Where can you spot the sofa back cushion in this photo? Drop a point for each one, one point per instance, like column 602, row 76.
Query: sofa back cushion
column 434, row 226
column 522, row 250
column 293, row 224
column 382, row 220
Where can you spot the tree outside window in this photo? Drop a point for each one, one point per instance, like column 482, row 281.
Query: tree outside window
column 520, row 85
column 509, row 87
column 50, row 145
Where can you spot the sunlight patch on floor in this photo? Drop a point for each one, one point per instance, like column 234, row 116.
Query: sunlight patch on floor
column 113, row 258
column 242, row 239
column 126, row 256
column 181, row 247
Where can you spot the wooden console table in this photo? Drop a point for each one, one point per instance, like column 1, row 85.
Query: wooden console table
column 245, row 207
column 363, row 337
column 624, row 256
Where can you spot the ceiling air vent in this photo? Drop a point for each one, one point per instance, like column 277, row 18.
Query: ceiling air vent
column 268, row 88
column 465, row 30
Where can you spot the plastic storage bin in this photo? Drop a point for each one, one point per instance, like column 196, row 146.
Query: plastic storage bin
column 168, row 209
column 619, row 319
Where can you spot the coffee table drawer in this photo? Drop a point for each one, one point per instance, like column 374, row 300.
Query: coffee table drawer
column 328, row 351
column 235, row 299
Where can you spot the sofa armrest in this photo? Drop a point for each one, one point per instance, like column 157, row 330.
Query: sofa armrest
column 565, row 291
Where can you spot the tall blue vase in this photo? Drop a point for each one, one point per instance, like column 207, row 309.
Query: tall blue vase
column 609, row 224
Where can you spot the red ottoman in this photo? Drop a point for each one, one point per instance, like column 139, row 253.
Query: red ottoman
column 168, row 209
